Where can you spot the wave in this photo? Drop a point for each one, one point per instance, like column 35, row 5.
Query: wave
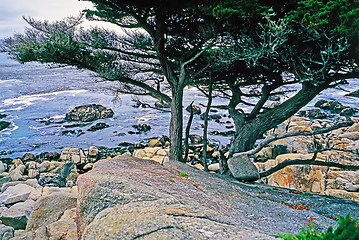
column 27, row 100
column 10, row 80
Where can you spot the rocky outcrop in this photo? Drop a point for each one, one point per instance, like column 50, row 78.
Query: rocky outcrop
column 127, row 198
column 317, row 179
column 88, row 113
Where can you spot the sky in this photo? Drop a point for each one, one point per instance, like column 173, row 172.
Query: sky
column 11, row 12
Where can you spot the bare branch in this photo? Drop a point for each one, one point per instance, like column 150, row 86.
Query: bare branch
column 291, row 134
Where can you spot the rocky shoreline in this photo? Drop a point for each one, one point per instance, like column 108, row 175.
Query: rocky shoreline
column 32, row 186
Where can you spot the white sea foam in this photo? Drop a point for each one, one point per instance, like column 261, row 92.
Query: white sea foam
column 10, row 80
column 27, row 100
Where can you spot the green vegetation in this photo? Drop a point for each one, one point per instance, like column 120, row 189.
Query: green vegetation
column 183, row 174
column 348, row 229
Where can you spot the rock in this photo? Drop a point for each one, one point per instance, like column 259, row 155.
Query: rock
column 142, row 127
column 162, row 104
column 196, row 139
column 129, row 198
column 17, row 173
column 93, row 153
column 339, row 194
column 155, row 143
column 46, row 166
column 6, row 232
column 65, row 227
column 28, row 157
column 17, row 193
column 18, row 214
column 98, row 126
column 4, row 125
column 72, row 154
column 354, row 94
column 4, row 180
column 243, row 169
column 213, row 167
column 2, row 167
column 195, row 109
column 3, row 115
column 88, row 166
column 48, row 209
column 88, row 113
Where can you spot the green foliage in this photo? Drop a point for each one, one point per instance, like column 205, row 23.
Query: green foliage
column 348, row 229
column 342, row 15
column 183, row 174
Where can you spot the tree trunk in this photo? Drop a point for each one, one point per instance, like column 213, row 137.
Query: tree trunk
column 249, row 130
column 176, row 125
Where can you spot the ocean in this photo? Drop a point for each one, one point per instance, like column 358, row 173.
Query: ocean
column 36, row 98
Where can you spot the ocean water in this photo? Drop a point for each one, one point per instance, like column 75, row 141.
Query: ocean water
column 36, row 99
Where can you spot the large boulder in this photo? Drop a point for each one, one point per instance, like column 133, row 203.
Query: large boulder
column 128, row 198
column 88, row 113
column 18, row 214
column 243, row 169
column 49, row 209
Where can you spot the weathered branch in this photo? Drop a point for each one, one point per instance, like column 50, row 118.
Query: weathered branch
column 305, row 162
column 274, row 137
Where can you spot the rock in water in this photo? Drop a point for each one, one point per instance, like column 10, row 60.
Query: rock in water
column 243, row 169
column 88, row 113
column 4, row 125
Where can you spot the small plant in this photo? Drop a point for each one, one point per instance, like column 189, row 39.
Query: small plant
column 348, row 229
column 171, row 180
column 183, row 174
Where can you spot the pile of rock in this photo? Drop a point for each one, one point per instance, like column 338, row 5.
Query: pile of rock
column 344, row 144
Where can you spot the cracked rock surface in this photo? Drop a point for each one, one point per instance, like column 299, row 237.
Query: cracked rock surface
column 131, row 198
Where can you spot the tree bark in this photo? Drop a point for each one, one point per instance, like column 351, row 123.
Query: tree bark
column 249, row 130
column 176, row 124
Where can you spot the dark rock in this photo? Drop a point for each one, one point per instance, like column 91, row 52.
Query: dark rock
column 98, row 126
column 87, row 113
column 18, row 214
column 243, row 169
column 28, row 157
column 314, row 114
column 53, row 181
column 78, row 132
column 4, row 125
column 142, row 127
column 274, row 98
column 348, row 112
column 333, row 106
column 196, row 139
column 162, row 104
column 354, row 94
column 195, row 109
column 225, row 134
column 214, row 116
column 3, row 115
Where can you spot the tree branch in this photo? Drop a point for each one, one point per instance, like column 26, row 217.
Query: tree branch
column 274, row 137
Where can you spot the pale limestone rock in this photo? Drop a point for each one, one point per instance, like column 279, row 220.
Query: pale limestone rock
column 215, row 154
column 126, row 154
column 339, row 194
column 139, row 153
column 2, row 167
column 46, row 166
column 72, row 154
column 154, row 143
column 93, row 152
column 350, row 135
column 213, row 167
column 209, row 149
column 88, row 166
column 18, row 172
column 199, row 166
